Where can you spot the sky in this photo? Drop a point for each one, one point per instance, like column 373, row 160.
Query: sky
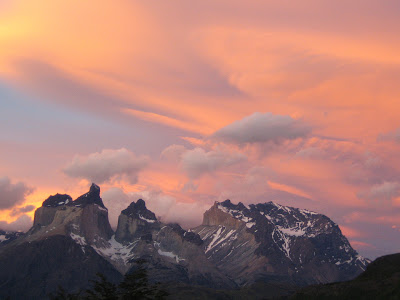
column 184, row 103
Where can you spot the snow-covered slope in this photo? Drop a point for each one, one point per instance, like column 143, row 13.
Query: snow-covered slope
column 264, row 241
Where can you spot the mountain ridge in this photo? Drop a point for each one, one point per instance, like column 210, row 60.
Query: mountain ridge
column 237, row 245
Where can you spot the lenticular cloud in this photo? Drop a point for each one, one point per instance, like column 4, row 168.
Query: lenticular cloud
column 261, row 128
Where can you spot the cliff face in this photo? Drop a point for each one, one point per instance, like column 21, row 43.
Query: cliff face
column 273, row 242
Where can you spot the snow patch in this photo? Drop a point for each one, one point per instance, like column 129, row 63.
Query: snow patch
column 218, row 238
column 116, row 251
column 101, row 208
column 250, row 224
column 147, row 220
column 80, row 240
column 237, row 214
column 295, row 231
column 171, row 255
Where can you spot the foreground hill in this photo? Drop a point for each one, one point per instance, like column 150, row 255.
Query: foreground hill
column 381, row 280
column 259, row 251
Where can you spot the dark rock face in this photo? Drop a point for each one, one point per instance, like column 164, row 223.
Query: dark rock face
column 57, row 200
column 265, row 242
column 189, row 236
column 139, row 210
column 33, row 270
column 91, row 197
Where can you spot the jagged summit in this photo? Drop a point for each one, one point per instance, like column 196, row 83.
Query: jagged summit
column 228, row 203
column 139, row 210
column 57, row 200
column 91, row 197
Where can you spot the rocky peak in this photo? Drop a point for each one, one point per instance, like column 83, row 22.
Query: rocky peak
column 139, row 210
column 228, row 204
column 57, row 200
column 136, row 221
column 91, row 197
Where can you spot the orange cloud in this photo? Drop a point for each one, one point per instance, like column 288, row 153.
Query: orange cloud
column 351, row 232
column 194, row 69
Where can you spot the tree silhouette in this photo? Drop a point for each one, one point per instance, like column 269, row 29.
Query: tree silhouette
column 61, row 294
column 136, row 285
column 102, row 289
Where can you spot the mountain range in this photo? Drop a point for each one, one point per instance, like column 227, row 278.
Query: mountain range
column 267, row 245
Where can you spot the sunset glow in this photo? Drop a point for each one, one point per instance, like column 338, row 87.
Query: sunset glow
column 184, row 104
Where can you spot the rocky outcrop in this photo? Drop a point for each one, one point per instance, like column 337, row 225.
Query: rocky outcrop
column 44, row 215
column 7, row 237
column 265, row 242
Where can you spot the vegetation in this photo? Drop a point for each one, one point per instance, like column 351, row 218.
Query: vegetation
column 135, row 285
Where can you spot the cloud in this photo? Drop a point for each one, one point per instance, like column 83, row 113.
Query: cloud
column 350, row 232
column 23, row 223
column 390, row 136
column 166, row 207
column 198, row 162
column 311, row 152
column 261, row 128
column 108, row 165
column 21, row 210
column 170, row 210
column 12, row 193
column 385, row 191
column 116, row 200
column 190, row 186
column 174, row 152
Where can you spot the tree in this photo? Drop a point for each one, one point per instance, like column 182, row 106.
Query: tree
column 102, row 289
column 61, row 294
column 136, row 285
